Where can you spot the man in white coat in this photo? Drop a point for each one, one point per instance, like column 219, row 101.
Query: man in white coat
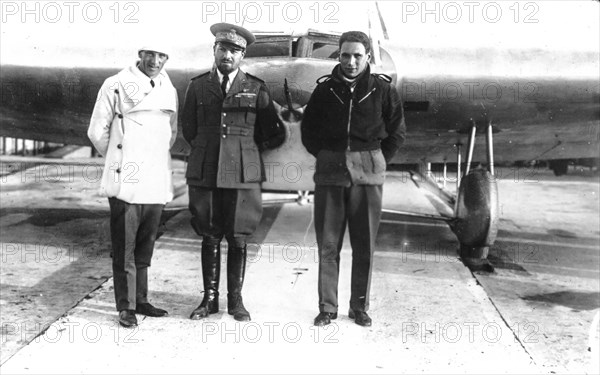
column 134, row 125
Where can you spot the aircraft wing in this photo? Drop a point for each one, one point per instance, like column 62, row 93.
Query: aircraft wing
column 541, row 104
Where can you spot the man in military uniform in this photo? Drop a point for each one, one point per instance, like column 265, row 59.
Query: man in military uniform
column 353, row 124
column 228, row 118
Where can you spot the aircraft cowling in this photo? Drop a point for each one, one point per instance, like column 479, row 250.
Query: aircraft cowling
column 301, row 75
column 476, row 220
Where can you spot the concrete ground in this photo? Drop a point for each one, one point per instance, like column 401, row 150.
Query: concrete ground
column 535, row 314
column 547, row 258
column 55, row 245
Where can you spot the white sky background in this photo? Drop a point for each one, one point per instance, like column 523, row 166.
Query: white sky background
column 75, row 33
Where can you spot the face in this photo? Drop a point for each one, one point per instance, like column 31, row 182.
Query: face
column 152, row 62
column 227, row 58
column 353, row 58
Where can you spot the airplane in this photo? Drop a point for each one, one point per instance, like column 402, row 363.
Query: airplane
column 538, row 106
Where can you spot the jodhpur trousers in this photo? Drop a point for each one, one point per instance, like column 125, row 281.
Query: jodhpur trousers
column 230, row 213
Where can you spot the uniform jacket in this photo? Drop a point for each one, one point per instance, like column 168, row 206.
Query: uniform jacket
column 227, row 134
column 353, row 132
column 134, row 125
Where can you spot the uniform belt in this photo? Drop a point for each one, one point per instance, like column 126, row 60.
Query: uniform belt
column 229, row 130
column 237, row 130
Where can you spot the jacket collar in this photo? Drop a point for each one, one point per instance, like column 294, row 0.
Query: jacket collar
column 231, row 75
column 144, row 97
column 235, row 87
column 364, row 80
column 144, row 79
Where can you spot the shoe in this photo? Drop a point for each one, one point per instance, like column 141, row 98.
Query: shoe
column 235, row 307
column 360, row 317
column 325, row 318
column 149, row 310
column 209, row 305
column 127, row 318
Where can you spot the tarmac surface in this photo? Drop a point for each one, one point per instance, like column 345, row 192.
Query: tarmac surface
column 537, row 313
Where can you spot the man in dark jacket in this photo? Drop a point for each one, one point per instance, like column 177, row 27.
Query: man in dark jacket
column 353, row 125
column 228, row 118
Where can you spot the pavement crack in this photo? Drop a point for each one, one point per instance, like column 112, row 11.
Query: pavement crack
column 515, row 335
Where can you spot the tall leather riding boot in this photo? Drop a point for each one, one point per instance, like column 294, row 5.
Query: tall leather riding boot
column 236, row 269
column 211, row 273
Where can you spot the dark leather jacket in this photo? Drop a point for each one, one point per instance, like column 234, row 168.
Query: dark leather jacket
column 227, row 134
column 342, row 127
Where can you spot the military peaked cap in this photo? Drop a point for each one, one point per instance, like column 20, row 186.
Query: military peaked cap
column 232, row 34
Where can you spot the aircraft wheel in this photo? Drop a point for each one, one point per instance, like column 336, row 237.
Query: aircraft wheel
column 475, row 258
column 476, row 221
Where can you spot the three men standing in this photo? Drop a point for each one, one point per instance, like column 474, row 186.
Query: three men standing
column 228, row 119
column 134, row 124
column 353, row 124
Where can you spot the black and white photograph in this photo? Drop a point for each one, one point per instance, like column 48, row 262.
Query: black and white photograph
column 300, row 187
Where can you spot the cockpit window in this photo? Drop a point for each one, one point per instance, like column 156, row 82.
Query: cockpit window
column 325, row 51
column 269, row 48
column 316, row 46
